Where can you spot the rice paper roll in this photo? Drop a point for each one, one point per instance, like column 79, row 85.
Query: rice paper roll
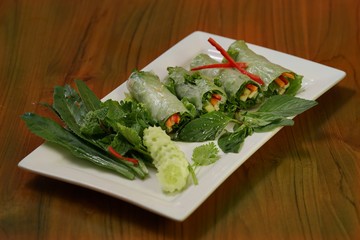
column 204, row 59
column 195, row 88
column 164, row 107
column 241, row 90
column 277, row 79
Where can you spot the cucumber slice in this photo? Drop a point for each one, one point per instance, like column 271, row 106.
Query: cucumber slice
column 169, row 160
column 172, row 175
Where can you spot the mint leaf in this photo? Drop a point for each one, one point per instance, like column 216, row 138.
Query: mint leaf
column 120, row 144
column 274, row 111
column 259, row 119
column 286, row 105
column 128, row 113
column 92, row 124
column 206, row 127
column 132, row 137
column 271, row 126
column 232, row 141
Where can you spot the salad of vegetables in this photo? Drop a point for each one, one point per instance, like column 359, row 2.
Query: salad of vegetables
column 217, row 104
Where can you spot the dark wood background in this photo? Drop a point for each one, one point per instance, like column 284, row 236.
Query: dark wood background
column 302, row 184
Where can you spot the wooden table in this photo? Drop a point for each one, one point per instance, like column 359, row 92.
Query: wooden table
column 302, row 184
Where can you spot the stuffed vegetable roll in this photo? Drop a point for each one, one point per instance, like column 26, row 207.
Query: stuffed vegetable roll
column 164, row 107
column 278, row 80
column 203, row 59
column 241, row 91
column 195, row 88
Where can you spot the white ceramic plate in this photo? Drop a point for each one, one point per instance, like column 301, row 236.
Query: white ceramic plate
column 52, row 161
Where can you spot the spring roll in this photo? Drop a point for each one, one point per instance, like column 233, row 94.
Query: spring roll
column 277, row 79
column 241, row 91
column 198, row 90
column 164, row 107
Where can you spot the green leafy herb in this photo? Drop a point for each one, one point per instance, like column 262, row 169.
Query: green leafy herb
column 66, row 101
column 264, row 121
column 232, row 141
column 274, row 112
column 275, row 124
column 286, row 105
column 295, row 85
column 53, row 132
column 132, row 137
column 191, row 78
column 206, row 127
column 92, row 125
column 91, row 101
column 205, row 154
column 73, row 102
column 120, row 144
column 128, row 113
column 190, row 107
column 99, row 125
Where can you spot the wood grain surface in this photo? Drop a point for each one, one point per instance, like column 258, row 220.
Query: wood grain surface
column 302, row 184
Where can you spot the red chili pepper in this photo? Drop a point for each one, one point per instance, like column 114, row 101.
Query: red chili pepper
column 113, row 152
column 233, row 63
column 219, row 65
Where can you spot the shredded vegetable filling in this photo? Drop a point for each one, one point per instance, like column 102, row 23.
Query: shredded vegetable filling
column 172, row 121
column 283, row 82
column 212, row 102
column 250, row 91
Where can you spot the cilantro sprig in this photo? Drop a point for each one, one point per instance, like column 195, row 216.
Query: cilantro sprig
column 203, row 155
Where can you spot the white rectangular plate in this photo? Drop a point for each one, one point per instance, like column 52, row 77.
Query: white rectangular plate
column 52, row 161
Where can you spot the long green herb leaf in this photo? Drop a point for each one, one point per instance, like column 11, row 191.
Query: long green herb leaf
column 91, row 101
column 52, row 132
column 286, row 106
column 75, row 104
column 275, row 124
column 264, row 121
column 62, row 107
